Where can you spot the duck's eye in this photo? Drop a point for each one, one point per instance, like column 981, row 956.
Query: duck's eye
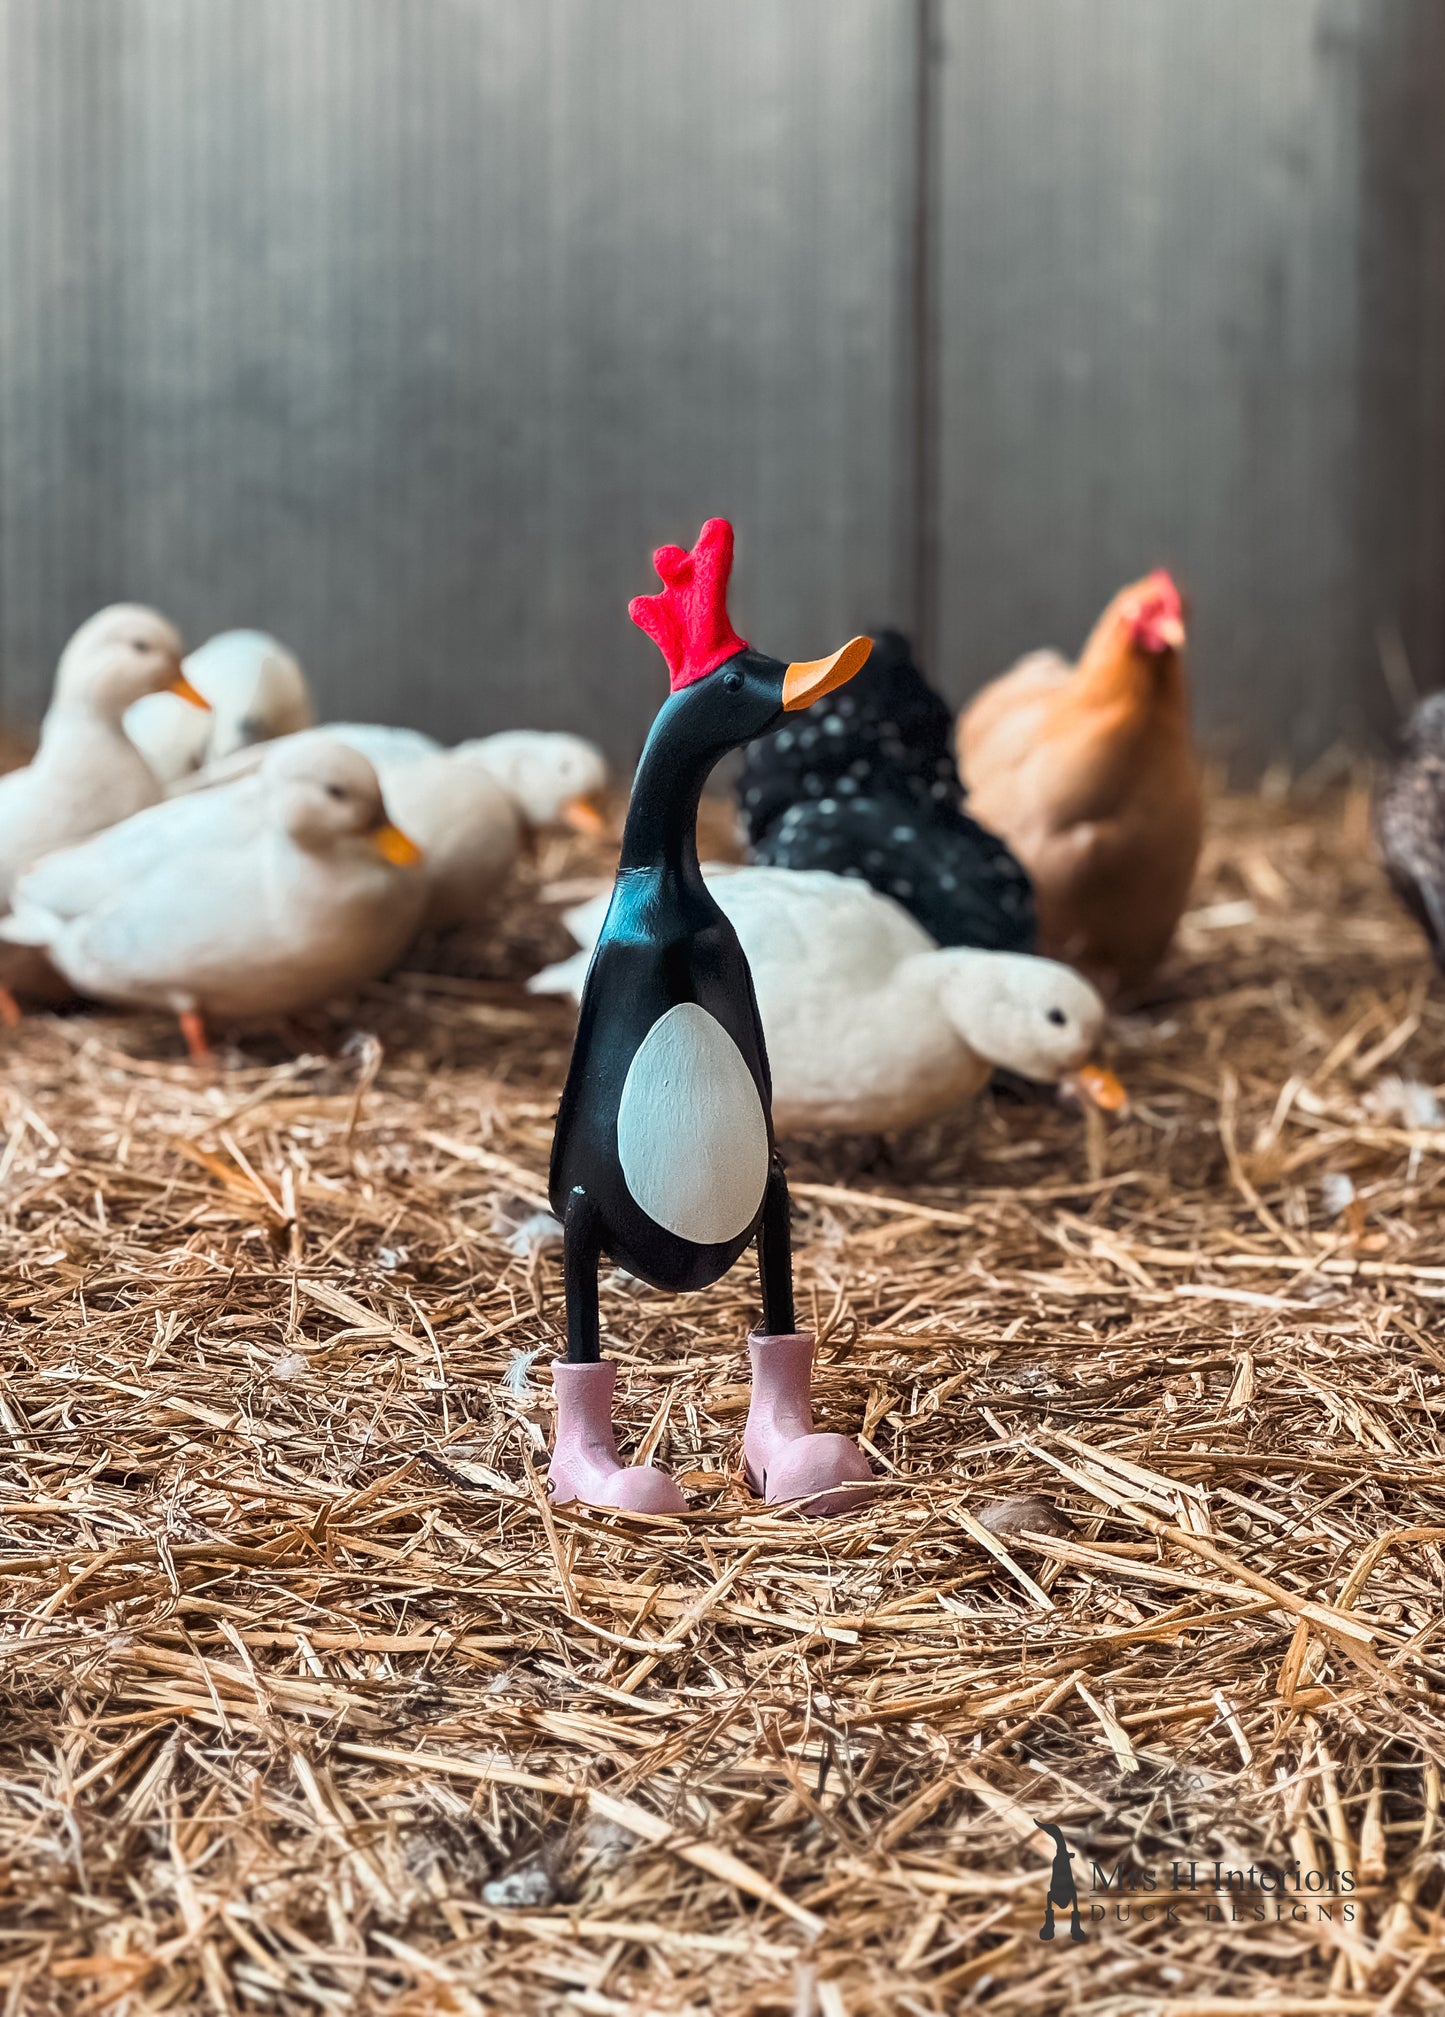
column 141, row 644
column 1058, row 1017
column 334, row 791
column 733, row 681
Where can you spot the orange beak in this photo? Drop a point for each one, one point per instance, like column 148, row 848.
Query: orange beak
column 392, row 845
column 809, row 680
column 586, row 814
column 1101, row 1089
column 182, row 688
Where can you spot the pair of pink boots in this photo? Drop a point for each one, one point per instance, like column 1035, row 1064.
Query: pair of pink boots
column 787, row 1461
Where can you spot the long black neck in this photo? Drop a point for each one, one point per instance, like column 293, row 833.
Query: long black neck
column 661, row 828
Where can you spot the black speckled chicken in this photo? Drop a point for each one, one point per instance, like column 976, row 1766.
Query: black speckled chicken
column 1410, row 822
column 868, row 787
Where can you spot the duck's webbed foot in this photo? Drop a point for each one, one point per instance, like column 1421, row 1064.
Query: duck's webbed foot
column 198, row 1044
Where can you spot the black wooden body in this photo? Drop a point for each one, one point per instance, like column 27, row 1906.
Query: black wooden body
column 664, row 942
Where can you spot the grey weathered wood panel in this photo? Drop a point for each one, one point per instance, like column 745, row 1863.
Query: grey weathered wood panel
column 1190, row 264
column 408, row 329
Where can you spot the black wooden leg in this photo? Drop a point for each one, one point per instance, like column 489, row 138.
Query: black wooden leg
column 580, row 1255
column 775, row 1257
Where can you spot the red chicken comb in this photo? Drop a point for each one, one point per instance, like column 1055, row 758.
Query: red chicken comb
column 688, row 621
column 1156, row 614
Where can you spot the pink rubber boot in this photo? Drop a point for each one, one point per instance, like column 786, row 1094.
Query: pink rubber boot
column 785, row 1459
column 585, row 1464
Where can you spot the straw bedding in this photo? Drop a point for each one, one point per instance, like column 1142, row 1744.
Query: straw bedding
column 309, row 1701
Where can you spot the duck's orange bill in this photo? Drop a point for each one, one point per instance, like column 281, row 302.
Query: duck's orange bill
column 586, row 814
column 1100, row 1087
column 392, row 845
column 182, row 687
column 811, row 678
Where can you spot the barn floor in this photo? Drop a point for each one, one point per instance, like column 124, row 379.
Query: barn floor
column 310, row 1702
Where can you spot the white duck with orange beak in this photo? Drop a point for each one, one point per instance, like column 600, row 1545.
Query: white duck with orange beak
column 476, row 808
column 87, row 774
column 870, row 1026
column 256, row 900
column 473, row 809
column 255, row 690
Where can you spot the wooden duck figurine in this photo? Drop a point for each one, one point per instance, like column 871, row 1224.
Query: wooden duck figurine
column 663, row 1157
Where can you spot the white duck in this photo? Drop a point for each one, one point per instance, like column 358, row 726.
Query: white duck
column 382, row 743
column 256, row 691
column 870, row 1026
column 382, row 746
column 551, row 777
column 469, row 829
column 259, row 899
column 476, row 807
column 86, row 774
column 472, row 809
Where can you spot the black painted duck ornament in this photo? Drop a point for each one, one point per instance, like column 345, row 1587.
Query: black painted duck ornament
column 663, row 1158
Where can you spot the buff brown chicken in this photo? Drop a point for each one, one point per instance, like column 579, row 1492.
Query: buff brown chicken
column 1088, row 773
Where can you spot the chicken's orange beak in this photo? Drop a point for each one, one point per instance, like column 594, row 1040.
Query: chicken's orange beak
column 393, row 846
column 586, row 814
column 182, row 687
column 810, row 679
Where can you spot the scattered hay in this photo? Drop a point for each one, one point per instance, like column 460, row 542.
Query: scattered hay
column 311, row 1701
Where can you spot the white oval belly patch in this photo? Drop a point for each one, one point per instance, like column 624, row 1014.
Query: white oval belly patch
column 692, row 1137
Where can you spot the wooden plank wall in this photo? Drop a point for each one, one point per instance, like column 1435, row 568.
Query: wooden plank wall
column 408, row 329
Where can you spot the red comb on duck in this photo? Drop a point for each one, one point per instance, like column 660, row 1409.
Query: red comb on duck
column 1157, row 618
column 688, row 621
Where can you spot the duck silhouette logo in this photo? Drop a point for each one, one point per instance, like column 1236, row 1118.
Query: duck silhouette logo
column 1063, row 1891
